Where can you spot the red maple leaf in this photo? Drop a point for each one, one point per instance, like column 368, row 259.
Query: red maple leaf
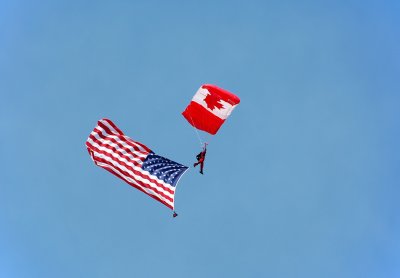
column 212, row 101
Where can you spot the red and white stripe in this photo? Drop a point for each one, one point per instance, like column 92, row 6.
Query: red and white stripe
column 123, row 157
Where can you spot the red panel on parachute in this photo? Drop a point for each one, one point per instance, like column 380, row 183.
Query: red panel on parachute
column 210, row 107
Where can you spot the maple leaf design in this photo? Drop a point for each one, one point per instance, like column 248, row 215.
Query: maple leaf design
column 213, row 101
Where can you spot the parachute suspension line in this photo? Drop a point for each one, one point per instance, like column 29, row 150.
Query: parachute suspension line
column 198, row 136
column 197, row 132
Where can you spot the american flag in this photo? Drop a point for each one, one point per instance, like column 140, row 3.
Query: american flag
column 133, row 162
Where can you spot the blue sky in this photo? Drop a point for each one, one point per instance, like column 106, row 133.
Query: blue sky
column 301, row 181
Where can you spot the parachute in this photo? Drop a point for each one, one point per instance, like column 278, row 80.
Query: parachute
column 210, row 107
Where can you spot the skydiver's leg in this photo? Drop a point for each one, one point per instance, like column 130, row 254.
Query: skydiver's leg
column 201, row 167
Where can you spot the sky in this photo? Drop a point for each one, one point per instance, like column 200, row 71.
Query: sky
column 301, row 181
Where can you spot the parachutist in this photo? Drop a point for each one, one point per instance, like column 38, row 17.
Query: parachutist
column 200, row 158
column 175, row 214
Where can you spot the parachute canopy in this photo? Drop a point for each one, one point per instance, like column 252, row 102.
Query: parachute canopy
column 210, row 107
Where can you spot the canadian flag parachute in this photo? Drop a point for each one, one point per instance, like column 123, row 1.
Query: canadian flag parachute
column 210, row 107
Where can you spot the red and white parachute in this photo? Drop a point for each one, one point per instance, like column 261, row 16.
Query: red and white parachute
column 210, row 107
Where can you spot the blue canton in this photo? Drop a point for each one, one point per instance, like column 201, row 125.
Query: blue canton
column 164, row 169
